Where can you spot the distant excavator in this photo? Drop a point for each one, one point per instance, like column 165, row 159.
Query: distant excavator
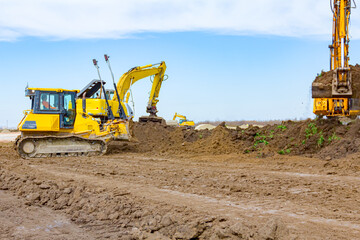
column 183, row 121
column 336, row 100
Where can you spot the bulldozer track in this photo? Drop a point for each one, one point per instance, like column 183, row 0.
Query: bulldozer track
column 59, row 146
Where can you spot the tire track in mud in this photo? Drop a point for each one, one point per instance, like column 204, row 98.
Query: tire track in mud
column 227, row 208
column 234, row 187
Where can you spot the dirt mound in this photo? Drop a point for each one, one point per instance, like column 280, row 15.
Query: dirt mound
column 323, row 138
column 322, row 83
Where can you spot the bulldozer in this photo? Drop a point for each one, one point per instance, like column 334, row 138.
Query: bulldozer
column 58, row 125
column 335, row 99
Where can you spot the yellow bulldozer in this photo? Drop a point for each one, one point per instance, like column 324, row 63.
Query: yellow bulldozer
column 64, row 122
column 58, row 125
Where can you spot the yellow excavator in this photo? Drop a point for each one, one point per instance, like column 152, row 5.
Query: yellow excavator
column 183, row 121
column 336, row 100
column 97, row 106
column 135, row 74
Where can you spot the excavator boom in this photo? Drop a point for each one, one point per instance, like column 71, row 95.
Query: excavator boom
column 339, row 50
column 137, row 73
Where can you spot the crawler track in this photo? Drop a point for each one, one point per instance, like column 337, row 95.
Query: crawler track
column 59, row 146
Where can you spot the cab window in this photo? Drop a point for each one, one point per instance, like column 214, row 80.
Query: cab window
column 69, row 107
column 49, row 101
column 109, row 94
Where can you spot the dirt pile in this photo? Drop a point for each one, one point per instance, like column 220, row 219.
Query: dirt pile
column 323, row 138
column 322, row 83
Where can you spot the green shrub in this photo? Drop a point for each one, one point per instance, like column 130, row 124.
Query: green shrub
column 310, row 130
column 282, row 127
column 321, row 140
column 260, row 139
column 333, row 137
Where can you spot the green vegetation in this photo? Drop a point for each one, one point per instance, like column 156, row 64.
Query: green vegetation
column 282, row 127
column 200, row 136
column 310, row 130
column 284, row 151
column 271, row 134
column 333, row 137
column 321, row 139
column 260, row 139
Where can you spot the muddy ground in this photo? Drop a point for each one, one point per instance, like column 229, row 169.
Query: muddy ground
column 182, row 184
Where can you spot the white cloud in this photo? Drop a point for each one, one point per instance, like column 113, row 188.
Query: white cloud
column 68, row 19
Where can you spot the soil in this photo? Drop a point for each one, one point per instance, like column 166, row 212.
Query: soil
column 276, row 182
column 324, row 80
column 321, row 138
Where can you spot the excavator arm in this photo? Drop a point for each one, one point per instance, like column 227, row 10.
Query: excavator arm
column 179, row 116
column 137, row 73
column 339, row 50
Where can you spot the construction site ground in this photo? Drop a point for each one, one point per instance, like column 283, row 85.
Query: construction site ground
column 171, row 189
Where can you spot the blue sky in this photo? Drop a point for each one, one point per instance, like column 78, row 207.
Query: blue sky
column 225, row 73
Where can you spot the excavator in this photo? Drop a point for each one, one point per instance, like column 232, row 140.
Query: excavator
column 183, row 121
column 336, row 99
column 121, row 93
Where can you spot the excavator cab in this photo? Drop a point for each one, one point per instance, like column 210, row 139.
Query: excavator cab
column 51, row 110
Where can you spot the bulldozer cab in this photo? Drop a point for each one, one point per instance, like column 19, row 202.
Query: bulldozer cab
column 50, row 103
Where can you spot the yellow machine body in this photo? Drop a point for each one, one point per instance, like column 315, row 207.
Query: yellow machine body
column 98, row 107
column 335, row 107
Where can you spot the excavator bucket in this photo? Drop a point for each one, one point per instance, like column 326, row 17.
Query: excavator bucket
column 332, row 87
column 321, row 90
